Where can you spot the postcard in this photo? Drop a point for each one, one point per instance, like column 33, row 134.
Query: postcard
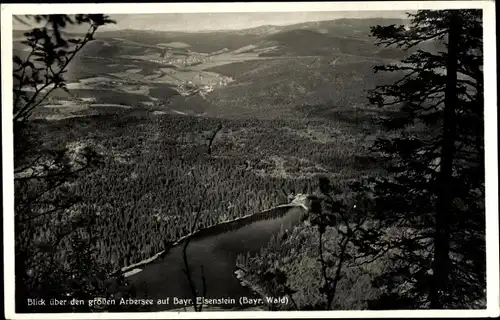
column 250, row 160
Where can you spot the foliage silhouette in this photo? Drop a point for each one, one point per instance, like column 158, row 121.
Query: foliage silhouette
column 434, row 193
column 48, row 215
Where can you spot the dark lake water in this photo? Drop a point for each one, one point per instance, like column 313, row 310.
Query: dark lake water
column 165, row 278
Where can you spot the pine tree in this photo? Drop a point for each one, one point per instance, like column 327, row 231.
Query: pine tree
column 432, row 201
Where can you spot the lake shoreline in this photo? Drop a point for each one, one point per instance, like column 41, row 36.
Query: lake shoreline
column 298, row 201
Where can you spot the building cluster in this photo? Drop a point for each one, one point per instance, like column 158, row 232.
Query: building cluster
column 169, row 58
column 188, row 87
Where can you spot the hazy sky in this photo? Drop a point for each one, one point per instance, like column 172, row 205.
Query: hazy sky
column 227, row 21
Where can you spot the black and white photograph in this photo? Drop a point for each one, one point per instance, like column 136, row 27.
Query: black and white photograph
column 221, row 159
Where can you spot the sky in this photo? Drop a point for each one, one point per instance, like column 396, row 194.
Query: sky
column 190, row 22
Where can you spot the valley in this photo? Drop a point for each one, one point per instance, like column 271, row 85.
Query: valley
column 159, row 71
column 289, row 112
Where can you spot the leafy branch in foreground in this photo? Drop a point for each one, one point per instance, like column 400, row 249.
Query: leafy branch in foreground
column 50, row 53
column 53, row 228
column 331, row 211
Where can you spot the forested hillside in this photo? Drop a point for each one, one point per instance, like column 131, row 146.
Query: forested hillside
column 156, row 168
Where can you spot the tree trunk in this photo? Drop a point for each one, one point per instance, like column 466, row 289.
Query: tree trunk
column 442, row 264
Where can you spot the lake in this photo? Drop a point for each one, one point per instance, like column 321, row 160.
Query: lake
column 165, row 277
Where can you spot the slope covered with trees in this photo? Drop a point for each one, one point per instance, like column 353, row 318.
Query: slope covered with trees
column 424, row 221
column 144, row 191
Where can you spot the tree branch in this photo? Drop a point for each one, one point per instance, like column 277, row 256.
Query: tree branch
column 187, row 269
column 23, row 112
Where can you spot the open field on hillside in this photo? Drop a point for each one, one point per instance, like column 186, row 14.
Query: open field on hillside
column 233, row 82
column 290, row 87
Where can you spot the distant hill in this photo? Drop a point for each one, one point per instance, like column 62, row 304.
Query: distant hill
column 259, row 31
column 308, row 38
column 358, row 28
column 349, row 36
column 308, row 42
column 210, row 41
column 199, row 42
column 279, row 86
column 318, row 38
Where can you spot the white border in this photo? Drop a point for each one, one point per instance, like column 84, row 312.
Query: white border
column 193, row 7
column 491, row 158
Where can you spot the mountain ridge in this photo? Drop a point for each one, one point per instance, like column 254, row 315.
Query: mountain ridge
column 264, row 29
